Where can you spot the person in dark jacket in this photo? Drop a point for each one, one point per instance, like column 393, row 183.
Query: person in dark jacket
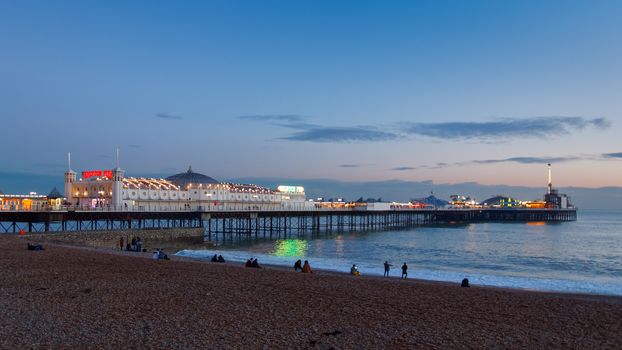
column 298, row 265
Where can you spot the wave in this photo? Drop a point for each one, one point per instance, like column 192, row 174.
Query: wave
column 376, row 269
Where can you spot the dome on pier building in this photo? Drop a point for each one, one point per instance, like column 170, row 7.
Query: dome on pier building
column 190, row 177
column 54, row 194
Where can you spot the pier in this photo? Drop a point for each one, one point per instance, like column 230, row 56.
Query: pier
column 267, row 224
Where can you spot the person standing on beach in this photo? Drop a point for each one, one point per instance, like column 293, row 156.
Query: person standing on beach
column 387, row 267
column 121, row 243
column 404, row 271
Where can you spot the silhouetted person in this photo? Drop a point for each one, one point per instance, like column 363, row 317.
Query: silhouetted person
column 298, row 265
column 139, row 245
column 306, row 268
column 404, row 271
column 249, row 262
column 215, row 258
column 354, row 271
column 121, row 245
column 162, row 255
column 255, row 263
column 221, row 259
column 387, row 267
column 465, row 283
column 35, row 246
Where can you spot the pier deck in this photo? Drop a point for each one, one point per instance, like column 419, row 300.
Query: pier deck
column 267, row 223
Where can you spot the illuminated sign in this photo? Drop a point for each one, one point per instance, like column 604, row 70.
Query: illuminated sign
column 291, row 189
column 97, row 173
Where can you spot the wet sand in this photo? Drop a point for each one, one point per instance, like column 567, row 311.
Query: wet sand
column 79, row 297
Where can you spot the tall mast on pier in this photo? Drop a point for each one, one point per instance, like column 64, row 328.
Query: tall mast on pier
column 550, row 187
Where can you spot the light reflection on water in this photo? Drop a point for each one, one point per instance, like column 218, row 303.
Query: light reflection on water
column 290, row 247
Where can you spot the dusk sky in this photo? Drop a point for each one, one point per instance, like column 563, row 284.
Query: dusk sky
column 448, row 91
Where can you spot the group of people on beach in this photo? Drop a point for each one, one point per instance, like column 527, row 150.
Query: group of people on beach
column 354, row 270
column 387, row 269
column 252, row 263
column 304, row 268
column 135, row 245
column 218, row 258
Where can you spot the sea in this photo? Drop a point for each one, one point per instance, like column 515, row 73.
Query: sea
column 584, row 256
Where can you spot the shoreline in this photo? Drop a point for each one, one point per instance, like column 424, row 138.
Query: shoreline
column 148, row 255
column 69, row 296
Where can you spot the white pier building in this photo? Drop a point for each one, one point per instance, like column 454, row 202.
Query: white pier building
column 110, row 189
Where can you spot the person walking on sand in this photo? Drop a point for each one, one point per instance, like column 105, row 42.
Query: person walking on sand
column 387, row 267
column 306, row 268
column 121, row 243
column 404, row 271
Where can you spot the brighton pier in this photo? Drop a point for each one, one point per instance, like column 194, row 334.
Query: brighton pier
column 107, row 200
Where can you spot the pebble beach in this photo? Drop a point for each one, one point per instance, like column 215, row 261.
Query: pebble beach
column 78, row 297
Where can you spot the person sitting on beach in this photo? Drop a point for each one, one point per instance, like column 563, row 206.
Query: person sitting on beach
column 255, row 264
column 214, row 258
column 404, row 271
column 306, row 268
column 387, row 268
column 298, row 265
column 35, row 246
column 354, row 271
column 162, row 255
column 465, row 283
column 221, row 259
column 156, row 255
column 249, row 262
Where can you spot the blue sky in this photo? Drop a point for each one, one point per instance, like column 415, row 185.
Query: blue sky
column 448, row 91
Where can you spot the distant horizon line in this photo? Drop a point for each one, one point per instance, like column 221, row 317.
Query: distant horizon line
column 327, row 179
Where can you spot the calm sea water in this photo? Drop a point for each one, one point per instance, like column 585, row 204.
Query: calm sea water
column 583, row 256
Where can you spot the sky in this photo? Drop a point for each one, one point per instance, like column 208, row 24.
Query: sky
column 451, row 92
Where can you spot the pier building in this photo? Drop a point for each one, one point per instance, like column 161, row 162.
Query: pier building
column 111, row 189
column 15, row 202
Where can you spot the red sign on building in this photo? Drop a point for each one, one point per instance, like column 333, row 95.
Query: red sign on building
column 97, row 173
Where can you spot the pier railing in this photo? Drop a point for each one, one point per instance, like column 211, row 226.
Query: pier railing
column 229, row 223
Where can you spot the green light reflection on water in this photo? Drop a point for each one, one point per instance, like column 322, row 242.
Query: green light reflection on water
column 291, row 247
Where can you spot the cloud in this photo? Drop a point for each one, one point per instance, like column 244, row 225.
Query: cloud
column 349, row 165
column 340, row 134
column 322, row 134
column 488, row 132
column 612, row 155
column 505, row 128
column 168, row 116
column 530, row 160
column 403, row 168
column 273, row 117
